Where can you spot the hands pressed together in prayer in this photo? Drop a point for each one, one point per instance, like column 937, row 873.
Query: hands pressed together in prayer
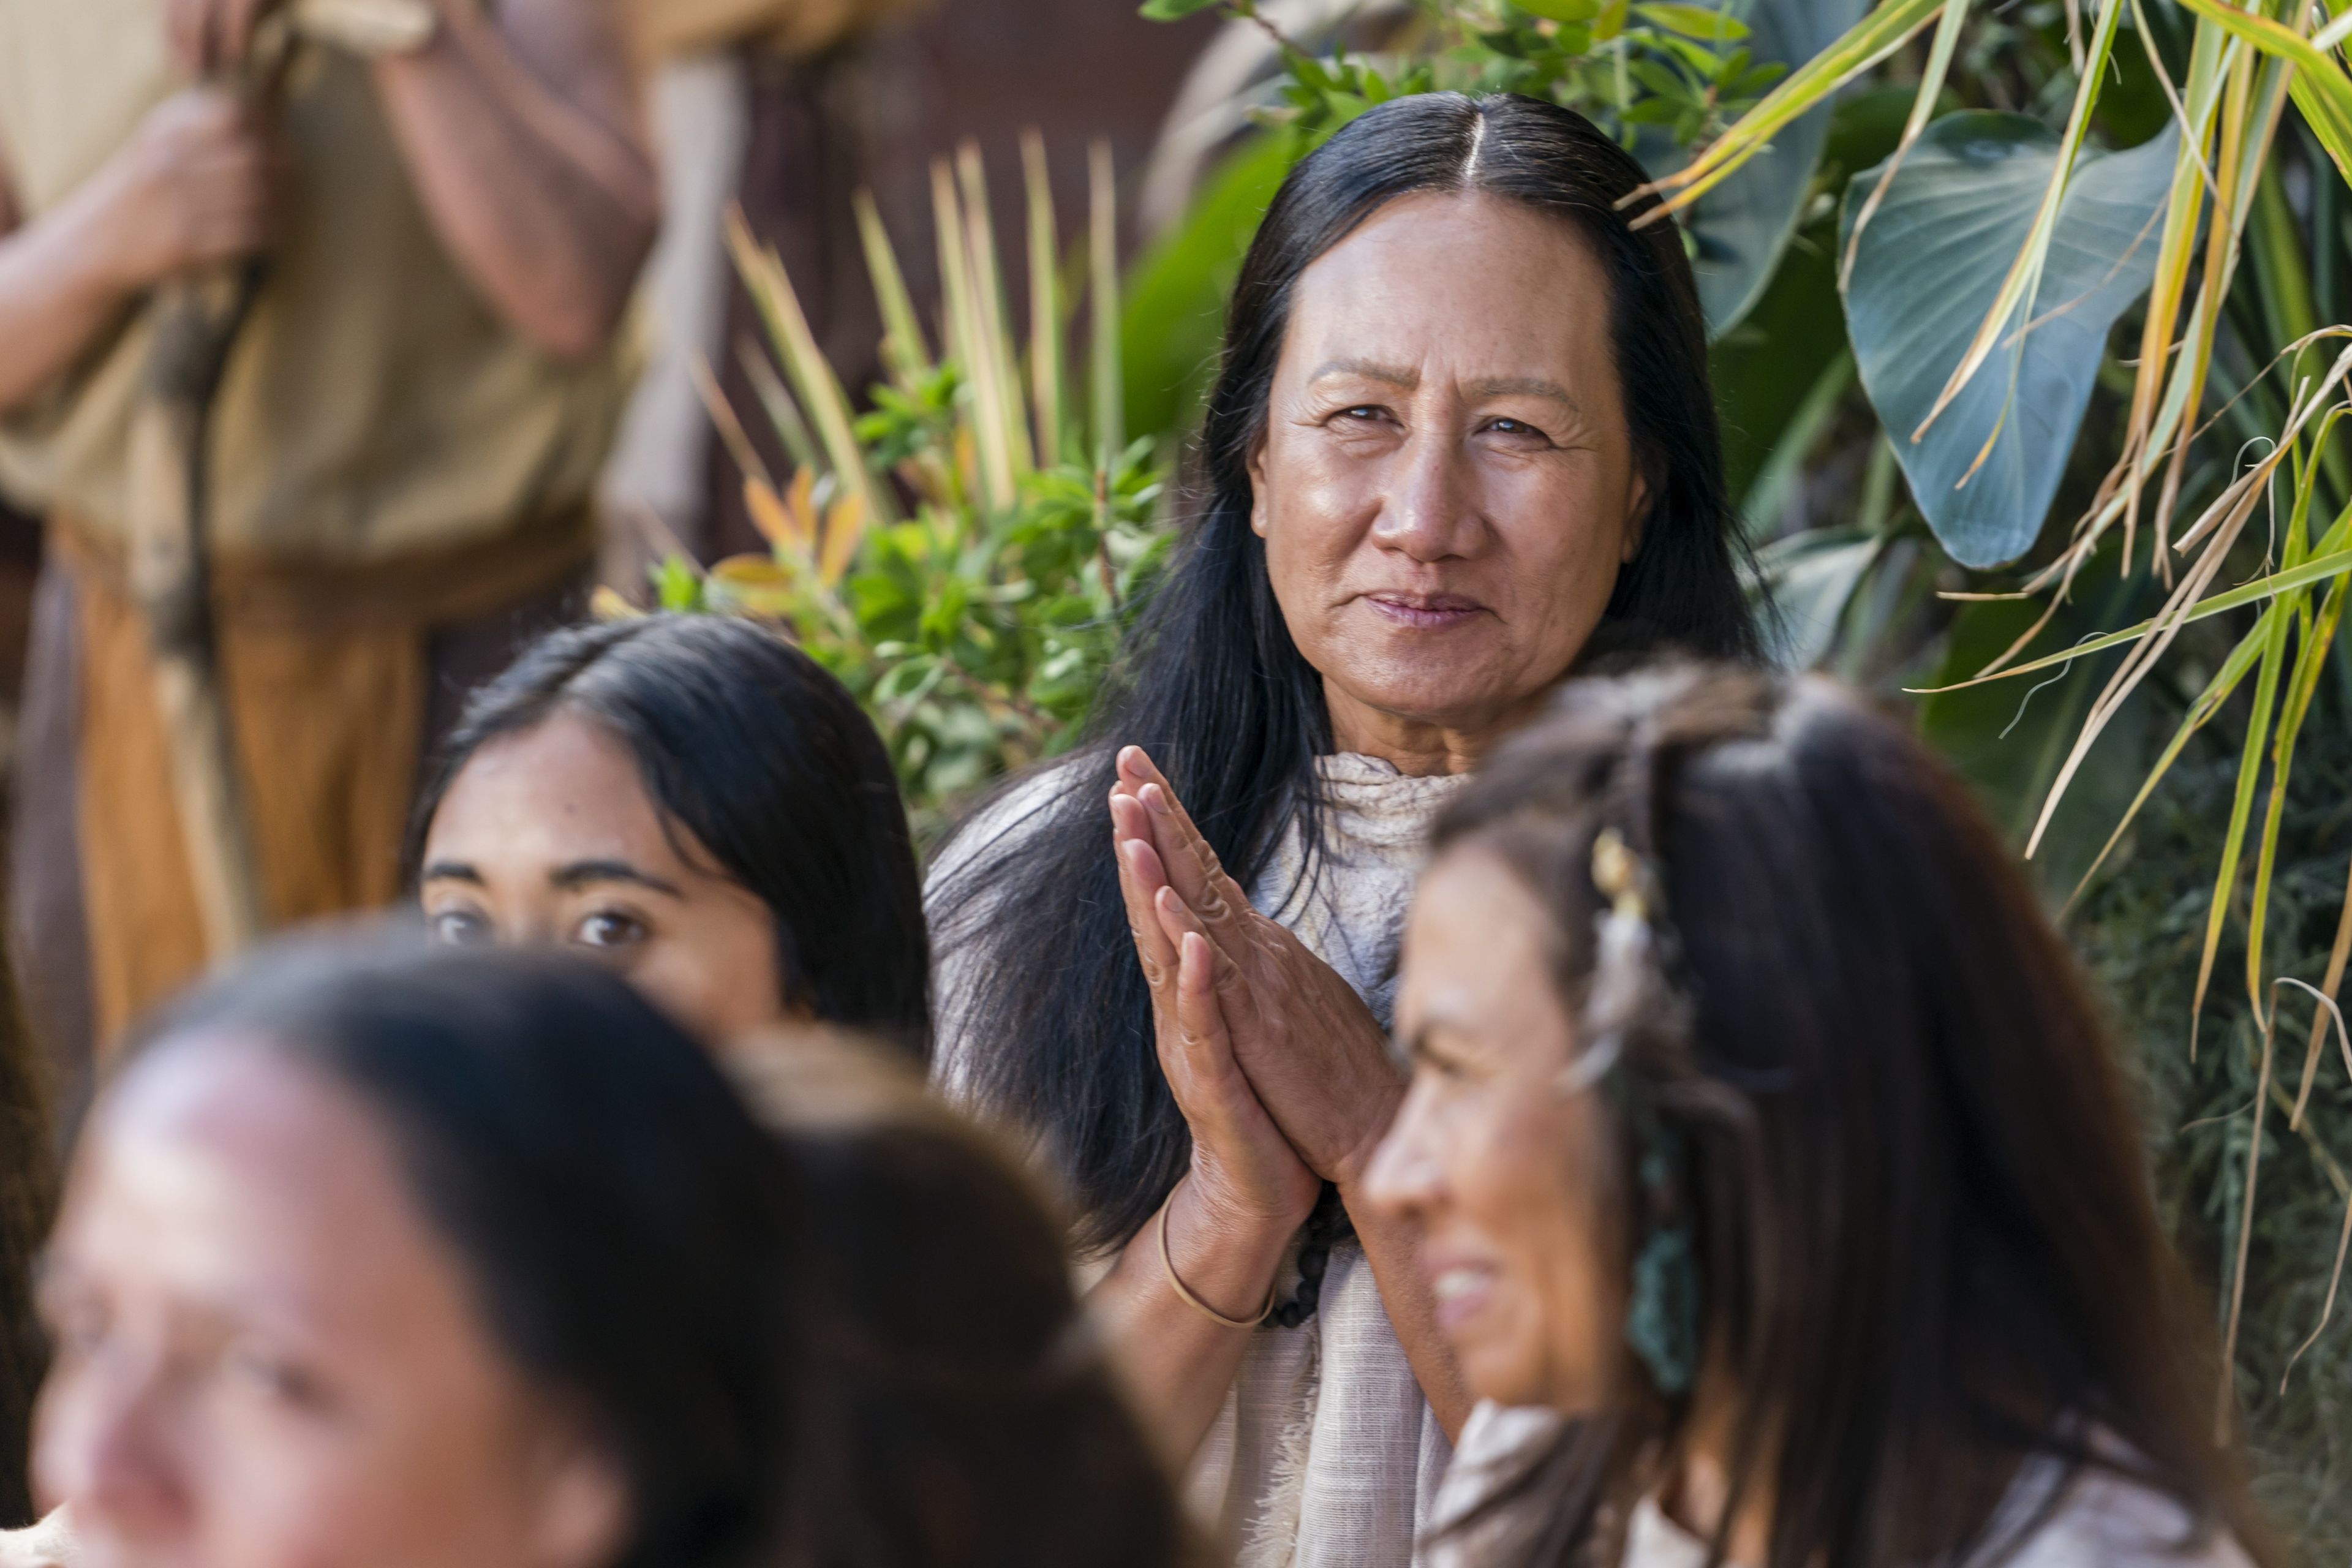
column 1280, row 1068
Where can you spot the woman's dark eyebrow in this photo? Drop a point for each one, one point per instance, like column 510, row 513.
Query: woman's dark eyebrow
column 581, row 873
column 1395, row 375
column 1523, row 386
column 451, row 871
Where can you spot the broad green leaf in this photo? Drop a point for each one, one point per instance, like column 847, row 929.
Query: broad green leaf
column 1930, row 265
column 1742, row 226
column 1812, row 576
column 1173, row 10
column 1695, row 22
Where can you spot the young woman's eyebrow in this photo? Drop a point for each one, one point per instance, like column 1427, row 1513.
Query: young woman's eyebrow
column 451, row 871
column 581, row 873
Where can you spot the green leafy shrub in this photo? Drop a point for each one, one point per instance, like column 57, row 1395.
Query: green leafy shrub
column 965, row 554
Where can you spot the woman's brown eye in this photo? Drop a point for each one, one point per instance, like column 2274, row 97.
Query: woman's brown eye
column 608, row 928
column 461, row 928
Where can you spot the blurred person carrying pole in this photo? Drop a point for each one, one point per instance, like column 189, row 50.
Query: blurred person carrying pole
column 311, row 366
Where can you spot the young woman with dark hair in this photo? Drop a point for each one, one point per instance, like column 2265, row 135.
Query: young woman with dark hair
column 693, row 800
column 1764, row 1132
column 1462, row 437
column 422, row 1259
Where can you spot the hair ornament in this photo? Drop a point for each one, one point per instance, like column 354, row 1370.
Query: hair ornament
column 1630, row 992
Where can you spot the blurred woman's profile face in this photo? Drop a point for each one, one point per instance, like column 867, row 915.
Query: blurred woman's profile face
column 1505, row 1178
column 549, row 837
column 1447, row 486
column 265, row 1357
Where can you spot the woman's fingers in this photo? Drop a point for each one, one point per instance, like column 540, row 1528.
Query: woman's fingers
column 1218, row 1090
column 1141, row 879
column 1192, row 867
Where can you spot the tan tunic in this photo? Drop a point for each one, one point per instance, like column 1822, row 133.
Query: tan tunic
column 388, row 458
column 373, row 405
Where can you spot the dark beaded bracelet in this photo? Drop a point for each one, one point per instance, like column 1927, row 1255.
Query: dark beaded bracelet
column 1328, row 1225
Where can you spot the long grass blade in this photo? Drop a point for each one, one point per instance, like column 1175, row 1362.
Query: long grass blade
column 2024, row 277
column 966, row 346
column 991, row 313
column 2227, row 1398
column 731, row 435
column 1044, row 304
column 2242, row 808
column 812, row 374
column 2322, row 90
column 2200, row 713
column 2328, row 1308
column 1923, row 108
column 2326, row 1012
column 776, row 402
column 1865, row 45
column 1102, row 306
column 2319, row 568
column 904, row 350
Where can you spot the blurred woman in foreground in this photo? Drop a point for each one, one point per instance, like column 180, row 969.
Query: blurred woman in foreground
column 457, row 1259
column 408, row 1260
column 1763, row 1130
column 693, row 801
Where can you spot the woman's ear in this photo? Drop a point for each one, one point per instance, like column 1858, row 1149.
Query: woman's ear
column 1637, row 516
column 1258, row 508
column 582, row 1511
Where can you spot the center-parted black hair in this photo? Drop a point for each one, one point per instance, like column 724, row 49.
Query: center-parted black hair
column 767, row 761
column 1058, row 1021
column 626, row 1225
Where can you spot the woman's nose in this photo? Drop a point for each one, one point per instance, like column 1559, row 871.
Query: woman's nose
column 102, row 1451
column 1402, row 1180
column 1429, row 510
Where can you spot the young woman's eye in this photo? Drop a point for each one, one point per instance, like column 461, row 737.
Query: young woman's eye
column 275, row 1376
column 609, row 927
column 461, row 928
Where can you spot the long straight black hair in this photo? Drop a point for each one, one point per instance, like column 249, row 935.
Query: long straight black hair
column 1055, row 1025
column 1867, row 1075
column 767, row 761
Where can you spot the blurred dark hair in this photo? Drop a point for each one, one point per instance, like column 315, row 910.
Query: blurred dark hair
column 28, row 1190
column 624, row 1220
column 1210, row 681
column 1926, row 1243
column 960, row 1414
column 746, row 742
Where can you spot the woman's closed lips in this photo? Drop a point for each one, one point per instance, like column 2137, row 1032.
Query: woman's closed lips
column 1433, row 611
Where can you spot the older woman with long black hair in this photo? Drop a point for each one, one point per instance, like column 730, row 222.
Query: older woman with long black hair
column 1462, row 437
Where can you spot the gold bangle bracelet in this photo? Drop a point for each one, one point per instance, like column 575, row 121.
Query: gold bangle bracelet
column 1168, row 1262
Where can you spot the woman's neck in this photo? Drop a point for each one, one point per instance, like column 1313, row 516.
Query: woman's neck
column 1422, row 748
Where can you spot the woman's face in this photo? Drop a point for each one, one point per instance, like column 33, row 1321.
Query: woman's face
column 1446, row 488
column 1505, row 1178
column 549, row 837
column 265, row 1358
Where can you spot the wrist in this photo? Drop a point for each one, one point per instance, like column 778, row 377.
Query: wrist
column 1223, row 1254
column 94, row 232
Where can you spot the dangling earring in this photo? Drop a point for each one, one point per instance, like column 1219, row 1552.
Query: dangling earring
column 1661, row 1314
